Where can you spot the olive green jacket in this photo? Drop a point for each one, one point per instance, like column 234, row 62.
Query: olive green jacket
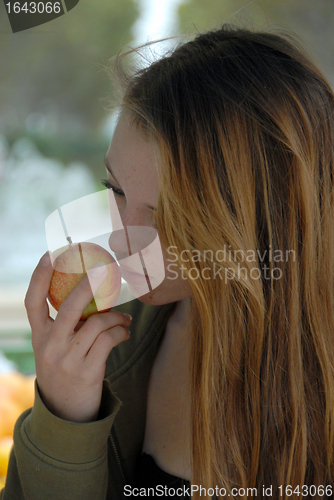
column 54, row 459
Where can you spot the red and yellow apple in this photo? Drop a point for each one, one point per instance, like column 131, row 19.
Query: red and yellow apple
column 71, row 265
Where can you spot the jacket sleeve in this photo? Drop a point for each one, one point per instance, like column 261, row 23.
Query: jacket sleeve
column 59, row 460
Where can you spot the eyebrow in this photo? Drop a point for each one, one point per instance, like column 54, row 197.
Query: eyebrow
column 108, row 167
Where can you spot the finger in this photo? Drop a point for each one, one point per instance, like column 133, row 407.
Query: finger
column 35, row 299
column 73, row 306
column 83, row 340
column 108, row 339
column 79, row 325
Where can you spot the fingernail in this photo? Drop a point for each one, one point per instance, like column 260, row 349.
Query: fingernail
column 128, row 316
column 98, row 270
column 45, row 260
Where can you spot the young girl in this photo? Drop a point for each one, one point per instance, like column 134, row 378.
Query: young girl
column 225, row 386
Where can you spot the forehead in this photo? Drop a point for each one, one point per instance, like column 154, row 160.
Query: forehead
column 130, row 155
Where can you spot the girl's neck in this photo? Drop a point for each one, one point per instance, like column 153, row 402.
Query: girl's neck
column 179, row 317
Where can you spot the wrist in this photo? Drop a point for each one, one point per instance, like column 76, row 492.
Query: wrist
column 65, row 441
column 71, row 406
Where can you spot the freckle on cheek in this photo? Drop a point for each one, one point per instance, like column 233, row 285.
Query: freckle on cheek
column 150, row 297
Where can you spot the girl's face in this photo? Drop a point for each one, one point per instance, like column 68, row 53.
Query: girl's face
column 132, row 176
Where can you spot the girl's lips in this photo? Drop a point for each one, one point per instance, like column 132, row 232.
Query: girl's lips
column 133, row 278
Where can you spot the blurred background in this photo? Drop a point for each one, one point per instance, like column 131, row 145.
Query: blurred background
column 55, row 128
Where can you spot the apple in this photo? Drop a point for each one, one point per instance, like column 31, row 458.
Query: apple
column 71, row 264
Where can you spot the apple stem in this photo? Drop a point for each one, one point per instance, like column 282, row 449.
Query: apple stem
column 69, row 240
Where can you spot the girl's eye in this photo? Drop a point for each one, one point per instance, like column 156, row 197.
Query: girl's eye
column 119, row 192
column 108, row 185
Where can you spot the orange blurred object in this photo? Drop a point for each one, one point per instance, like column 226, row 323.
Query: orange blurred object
column 10, row 411
column 5, row 448
column 16, row 395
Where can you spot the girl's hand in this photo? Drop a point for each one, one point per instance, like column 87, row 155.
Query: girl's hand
column 71, row 355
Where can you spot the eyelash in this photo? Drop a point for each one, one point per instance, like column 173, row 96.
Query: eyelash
column 118, row 192
column 108, row 185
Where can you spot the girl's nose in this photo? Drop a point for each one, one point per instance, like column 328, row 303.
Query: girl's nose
column 131, row 240
column 121, row 218
column 118, row 243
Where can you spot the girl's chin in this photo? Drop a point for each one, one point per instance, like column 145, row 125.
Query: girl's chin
column 155, row 298
column 160, row 295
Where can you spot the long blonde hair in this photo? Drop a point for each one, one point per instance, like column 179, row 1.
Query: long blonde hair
column 245, row 129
